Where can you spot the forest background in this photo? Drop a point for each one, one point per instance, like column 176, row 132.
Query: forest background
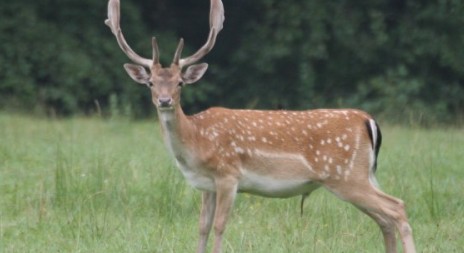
column 399, row 60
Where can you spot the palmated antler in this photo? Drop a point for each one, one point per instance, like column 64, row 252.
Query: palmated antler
column 216, row 20
column 113, row 21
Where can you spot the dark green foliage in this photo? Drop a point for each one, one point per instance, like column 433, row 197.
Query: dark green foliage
column 61, row 59
column 396, row 59
column 390, row 57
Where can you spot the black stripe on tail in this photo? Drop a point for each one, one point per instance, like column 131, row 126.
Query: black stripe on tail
column 378, row 139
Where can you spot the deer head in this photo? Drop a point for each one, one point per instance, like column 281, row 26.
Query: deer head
column 165, row 82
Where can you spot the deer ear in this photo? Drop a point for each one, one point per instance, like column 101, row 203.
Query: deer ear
column 137, row 73
column 194, row 73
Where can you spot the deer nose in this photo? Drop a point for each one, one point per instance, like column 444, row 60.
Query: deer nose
column 165, row 101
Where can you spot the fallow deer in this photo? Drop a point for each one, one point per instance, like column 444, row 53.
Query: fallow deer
column 269, row 153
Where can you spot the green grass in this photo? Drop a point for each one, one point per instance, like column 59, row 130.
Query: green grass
column 92, row 185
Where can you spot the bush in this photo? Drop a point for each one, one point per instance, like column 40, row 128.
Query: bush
column 392, row 58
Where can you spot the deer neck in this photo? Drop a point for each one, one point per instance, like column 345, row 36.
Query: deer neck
column 177, row 131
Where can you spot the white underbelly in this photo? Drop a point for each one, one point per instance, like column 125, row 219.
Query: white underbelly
column 277, row 174
column 269, row 174
column 253, row 183
column 273, row 187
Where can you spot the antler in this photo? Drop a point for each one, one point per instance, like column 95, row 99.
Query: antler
column 216, row 19
column 113, row 21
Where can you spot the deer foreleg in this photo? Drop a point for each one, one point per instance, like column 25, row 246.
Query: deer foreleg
column 208, row 206
column 226, row 190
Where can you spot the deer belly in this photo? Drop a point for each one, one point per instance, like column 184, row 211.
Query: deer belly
column 269, row 186
column 275, row 174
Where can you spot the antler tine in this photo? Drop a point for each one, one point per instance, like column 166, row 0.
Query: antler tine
column 113, row 21
column 216, row 19
column 178, row 52
column 154, row 44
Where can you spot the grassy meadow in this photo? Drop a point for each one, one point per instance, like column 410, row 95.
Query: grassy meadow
column 94, row 185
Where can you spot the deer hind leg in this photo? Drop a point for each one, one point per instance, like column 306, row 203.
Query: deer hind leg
column 208, row 207
column 387, row 227
column 388, row 212
column 394, row 209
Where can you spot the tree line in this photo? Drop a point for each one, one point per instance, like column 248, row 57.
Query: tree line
column 396, row 59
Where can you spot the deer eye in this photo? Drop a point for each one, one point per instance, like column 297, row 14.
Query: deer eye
column 149, row 84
